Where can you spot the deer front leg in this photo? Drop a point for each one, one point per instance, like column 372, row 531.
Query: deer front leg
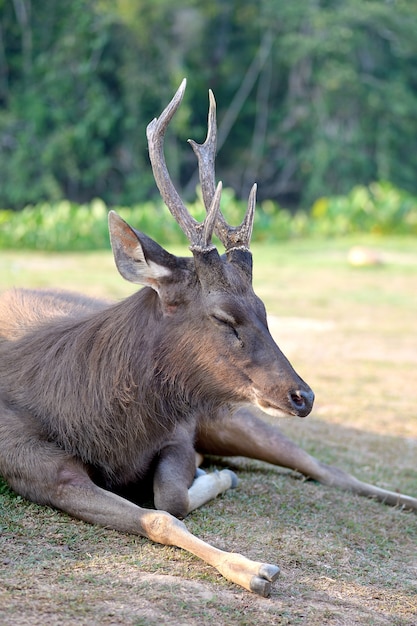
column 46, row 475
column 206, row 487
column 81, row 498
column 251, row 575
column 84, row 500
column 176, row 487
column 244, row 434
column 41, row 472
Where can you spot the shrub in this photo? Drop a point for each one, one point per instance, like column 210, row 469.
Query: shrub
column 377, row 209
column 380, row 208
column 67, row 226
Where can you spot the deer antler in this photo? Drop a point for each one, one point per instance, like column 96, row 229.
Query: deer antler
column 199, row 234
column 232, row 238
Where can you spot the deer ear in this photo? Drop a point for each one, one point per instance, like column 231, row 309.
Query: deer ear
column 138, row 258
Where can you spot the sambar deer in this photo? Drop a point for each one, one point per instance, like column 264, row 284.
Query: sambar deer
column 97, row 398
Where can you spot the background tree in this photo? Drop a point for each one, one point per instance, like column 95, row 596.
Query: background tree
column 313, row 97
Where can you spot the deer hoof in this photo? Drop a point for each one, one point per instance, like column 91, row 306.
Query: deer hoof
column 261, row 584
column 268, row 571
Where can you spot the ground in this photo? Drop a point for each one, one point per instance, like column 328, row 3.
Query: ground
column 352, row 334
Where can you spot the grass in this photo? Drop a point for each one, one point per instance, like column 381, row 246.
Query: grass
column 352, row 334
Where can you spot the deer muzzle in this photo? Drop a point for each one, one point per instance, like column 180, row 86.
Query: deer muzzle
column 301, row 401
column 297, row 402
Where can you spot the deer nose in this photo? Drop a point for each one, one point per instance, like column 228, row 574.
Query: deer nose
column 301, row 401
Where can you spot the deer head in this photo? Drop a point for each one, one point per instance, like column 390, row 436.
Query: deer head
column 213, row 331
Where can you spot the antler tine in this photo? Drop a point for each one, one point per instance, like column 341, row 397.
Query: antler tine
column 231, row 237
column 206, row 155
column 212, row 216
column 246, row 226
column 198, row 234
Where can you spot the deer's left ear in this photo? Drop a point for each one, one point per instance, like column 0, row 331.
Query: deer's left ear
column 139, row 258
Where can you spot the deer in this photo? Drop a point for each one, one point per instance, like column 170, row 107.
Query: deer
column 100, row 401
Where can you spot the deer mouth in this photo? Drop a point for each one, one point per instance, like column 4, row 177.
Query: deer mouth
column 297, row 403
column 271, row 409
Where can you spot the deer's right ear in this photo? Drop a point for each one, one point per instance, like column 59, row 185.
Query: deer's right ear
column 138, row 258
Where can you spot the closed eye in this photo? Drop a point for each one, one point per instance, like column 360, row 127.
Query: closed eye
column 226, row 321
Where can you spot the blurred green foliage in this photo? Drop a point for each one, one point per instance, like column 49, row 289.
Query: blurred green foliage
column 313, row 97
column 377, row 209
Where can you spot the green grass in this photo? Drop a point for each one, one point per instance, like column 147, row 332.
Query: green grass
column 352, row 334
